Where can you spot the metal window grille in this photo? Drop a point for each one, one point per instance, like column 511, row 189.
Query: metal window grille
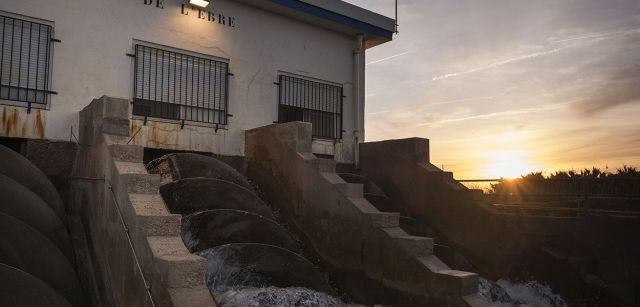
column 172, row 85
column 314, row 102
column 24, row 60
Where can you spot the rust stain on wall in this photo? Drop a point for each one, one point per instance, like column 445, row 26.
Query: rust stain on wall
column 39, row 124
column 173, row 136
column 16, row 122
column 10, row 120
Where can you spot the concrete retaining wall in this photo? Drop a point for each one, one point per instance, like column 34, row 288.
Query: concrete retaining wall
column 344, row 229
column 586, row 259
column 115, row 196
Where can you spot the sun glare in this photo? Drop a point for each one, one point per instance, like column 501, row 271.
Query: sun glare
column 508, row 164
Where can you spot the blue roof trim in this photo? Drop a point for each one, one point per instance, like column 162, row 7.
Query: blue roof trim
column 335, row 17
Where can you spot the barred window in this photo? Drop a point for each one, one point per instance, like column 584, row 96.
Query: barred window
column 178, row 86
column 314, row 102
column 24, row 60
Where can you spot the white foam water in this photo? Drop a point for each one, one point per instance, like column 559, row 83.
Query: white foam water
column 276, row 297
column 504, row 293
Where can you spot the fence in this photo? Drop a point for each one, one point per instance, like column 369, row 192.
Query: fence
column 177, row 86
column 310, row 101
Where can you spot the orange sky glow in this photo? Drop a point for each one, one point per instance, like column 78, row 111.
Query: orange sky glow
column 503, row 88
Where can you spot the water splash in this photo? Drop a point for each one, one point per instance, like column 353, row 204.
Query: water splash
column 504, row 293
column 272, row 296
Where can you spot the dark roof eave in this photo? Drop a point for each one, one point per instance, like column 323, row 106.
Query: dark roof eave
column 374, row 35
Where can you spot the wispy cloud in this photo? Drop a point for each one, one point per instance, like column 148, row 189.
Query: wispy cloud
column 596, row 36
column 499, row 63
column 430, row 104
column 387, row 58
column 495, row 114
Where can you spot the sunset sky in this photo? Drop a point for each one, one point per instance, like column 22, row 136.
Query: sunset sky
column 505, row 87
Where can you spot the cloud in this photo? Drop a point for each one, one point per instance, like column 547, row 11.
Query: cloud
column 620, row 87
column 499, row 63
column 387, row 58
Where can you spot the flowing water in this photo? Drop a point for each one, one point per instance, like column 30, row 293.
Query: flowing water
column 504, row 293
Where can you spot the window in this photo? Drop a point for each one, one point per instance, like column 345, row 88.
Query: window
column 24, row 58
column 314, row 102
column 177, row 86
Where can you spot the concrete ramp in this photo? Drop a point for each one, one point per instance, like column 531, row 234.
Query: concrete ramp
column 20, row 289
column 211, row 228
column 24, row 248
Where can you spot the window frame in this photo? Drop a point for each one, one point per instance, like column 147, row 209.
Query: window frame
column 335, row 127
column 49, row 57
column 220, row 121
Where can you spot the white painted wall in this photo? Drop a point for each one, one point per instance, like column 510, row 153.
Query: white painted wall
column 91, row 61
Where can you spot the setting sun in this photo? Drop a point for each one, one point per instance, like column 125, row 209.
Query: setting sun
column 508, row 164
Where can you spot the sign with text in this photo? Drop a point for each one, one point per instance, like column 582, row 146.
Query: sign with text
column 203, row 14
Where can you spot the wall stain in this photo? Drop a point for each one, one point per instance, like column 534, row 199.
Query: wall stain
column 39, row 124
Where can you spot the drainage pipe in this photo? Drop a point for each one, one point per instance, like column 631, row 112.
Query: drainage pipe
column 358, row 97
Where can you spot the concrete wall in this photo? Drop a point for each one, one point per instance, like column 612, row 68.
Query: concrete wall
column 125, row 219
column 589, row 260
column 376, row 261
column 91, row 61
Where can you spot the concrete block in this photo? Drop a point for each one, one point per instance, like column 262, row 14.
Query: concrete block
column 433, row 263
column 116, row 126
column 178, row 267
column 327, row 165
column 419, row 246
column 352, row 190
column 137, row 179
column 126, row 153
column 475, row 300
column 115, row 107
column 464, row 283
column 152, row 216
column 384, row 219
column 191, row 297
column 363, row 205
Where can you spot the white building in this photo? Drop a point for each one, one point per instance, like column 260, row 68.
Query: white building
column 197, row 77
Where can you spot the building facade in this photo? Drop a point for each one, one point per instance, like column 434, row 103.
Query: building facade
column 197, row 78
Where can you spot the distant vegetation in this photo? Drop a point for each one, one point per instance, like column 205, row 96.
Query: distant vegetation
column 624, row 181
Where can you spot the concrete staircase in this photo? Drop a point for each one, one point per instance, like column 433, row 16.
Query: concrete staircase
column 130, row 225
column 345, row 229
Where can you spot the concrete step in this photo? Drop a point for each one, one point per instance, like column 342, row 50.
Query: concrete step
column 178, row 267
column 191, row 297
column 384, row 219
column 414, row 245
column 152, row 216
column 349, row 189
column 463, row 283
column 137, row 179
column 126, row 153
